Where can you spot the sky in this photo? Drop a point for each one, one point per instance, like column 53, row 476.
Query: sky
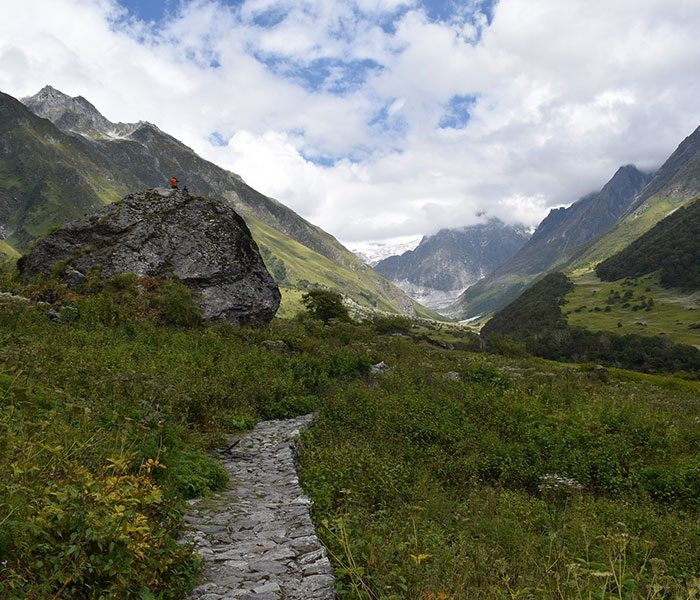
column 381, row 119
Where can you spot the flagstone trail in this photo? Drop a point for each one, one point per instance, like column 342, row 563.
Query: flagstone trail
column 257, row 538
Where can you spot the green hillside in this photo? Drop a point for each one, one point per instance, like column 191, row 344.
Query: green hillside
column 626, row 231
column 558, row 238
column 640, row 306
column 8, row 250
column 296, row 268
column 671, row 247
column 48, row 177
column 675, row 184
column 454, row 475
column 575, row 239
column 536, row 322
column 651, row 287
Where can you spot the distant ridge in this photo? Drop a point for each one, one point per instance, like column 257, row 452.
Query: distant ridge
column 443, row 265
column 555, row 240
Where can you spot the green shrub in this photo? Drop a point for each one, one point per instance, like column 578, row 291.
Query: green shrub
column 174, row 305
column 191, row 473
column 289, row 406
column 503, row 344
column 392, row 324
column 325, row 305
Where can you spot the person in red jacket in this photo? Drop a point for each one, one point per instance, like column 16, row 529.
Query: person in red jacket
column 173, row 183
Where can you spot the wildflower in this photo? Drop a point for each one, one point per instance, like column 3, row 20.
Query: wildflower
column 551, row 482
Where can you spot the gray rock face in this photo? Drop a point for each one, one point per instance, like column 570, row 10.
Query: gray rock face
column 257, row 538
column 443, row 265
column 161, row 233
column 77, row 115
column 455, row 258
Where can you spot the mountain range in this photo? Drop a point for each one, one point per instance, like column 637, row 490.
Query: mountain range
column 443, row 265
column 60, row 158
column 577, row 238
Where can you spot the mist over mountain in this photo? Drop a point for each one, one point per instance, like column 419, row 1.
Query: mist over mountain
column 556, row 240
column 443, row 265
column 675, row 184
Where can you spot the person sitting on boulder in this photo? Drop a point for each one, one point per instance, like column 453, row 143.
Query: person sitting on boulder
column 173, row 183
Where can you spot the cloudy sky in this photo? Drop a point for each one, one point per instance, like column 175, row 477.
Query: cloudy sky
column 382, row 118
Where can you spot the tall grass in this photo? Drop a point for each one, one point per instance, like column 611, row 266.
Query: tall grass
column 522, row 479
column 514, row 478
column 107, row 416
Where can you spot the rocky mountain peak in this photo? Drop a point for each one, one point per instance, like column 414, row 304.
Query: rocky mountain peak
column 71, row 114
column 678, row 176
column 50, row 92
column 79, row 116
column 625, row 178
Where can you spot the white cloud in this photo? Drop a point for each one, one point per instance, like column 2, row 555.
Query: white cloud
column 566, row 92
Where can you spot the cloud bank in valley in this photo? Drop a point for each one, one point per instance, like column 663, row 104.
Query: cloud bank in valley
column 385, row 118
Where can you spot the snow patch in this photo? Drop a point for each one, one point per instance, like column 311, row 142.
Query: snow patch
column 372, row 252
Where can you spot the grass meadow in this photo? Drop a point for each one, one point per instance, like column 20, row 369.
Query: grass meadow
column 454, row 475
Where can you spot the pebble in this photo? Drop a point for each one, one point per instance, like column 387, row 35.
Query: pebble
column 257, row 539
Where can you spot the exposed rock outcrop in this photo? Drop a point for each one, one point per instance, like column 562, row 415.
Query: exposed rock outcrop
column 164, row 233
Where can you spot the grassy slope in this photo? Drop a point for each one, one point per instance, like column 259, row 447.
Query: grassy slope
column 669, row 317
column 433, row 487
column 435, row 481
column 50, row 176
column 620, row 236
column 672, row 313
column 85, row 405
column 366, row 287
column 626, row 231
column 8, row 250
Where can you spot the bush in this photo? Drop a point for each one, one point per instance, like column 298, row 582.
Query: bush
column 289, row 406
column 174, row 305
column 503, row 344
column 325, row 305
column 95, row 535
column 191, row 474
column 392, row 324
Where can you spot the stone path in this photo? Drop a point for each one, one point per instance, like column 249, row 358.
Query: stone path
column 257, row 538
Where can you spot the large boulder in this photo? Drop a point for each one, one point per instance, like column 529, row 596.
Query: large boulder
column 163, row 233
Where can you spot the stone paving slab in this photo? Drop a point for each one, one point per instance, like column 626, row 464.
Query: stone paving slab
column 257, row 538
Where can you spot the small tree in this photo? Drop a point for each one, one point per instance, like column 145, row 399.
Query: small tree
column 325, row 305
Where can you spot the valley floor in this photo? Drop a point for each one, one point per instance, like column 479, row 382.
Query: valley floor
column 446, row 474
